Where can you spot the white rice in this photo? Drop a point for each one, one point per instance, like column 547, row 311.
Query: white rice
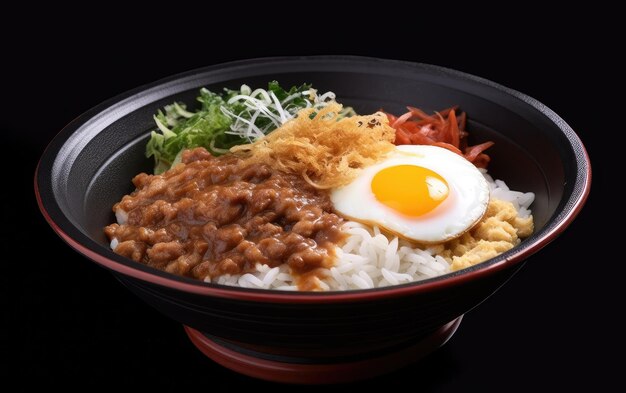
column 369, row 258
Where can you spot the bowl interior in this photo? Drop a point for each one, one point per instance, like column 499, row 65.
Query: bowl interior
column 101, row 151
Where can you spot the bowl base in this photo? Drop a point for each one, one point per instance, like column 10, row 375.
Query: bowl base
column 269, row 368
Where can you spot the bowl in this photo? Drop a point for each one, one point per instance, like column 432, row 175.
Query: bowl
column 315, row 337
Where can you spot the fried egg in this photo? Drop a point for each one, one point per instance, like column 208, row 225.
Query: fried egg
column 421, row 193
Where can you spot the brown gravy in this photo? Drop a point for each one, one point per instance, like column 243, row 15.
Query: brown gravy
column 211, row 216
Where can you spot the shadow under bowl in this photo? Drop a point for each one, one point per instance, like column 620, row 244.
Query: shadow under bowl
column 315, row 337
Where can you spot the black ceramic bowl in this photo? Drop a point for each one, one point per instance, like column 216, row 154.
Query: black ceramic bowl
column 315, row 337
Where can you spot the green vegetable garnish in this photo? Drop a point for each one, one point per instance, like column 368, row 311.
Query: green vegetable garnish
column 228, row 119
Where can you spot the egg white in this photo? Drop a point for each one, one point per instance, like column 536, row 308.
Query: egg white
column 465, row 205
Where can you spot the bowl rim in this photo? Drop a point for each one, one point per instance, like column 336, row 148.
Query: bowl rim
column 72, row 235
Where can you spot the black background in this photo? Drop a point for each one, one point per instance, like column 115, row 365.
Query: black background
column 67, row 322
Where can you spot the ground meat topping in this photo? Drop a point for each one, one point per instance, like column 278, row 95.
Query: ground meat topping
column 210, row 216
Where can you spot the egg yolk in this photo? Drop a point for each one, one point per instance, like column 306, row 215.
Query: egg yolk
column 409, row 189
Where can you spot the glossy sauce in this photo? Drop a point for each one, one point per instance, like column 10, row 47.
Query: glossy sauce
column 211, row 216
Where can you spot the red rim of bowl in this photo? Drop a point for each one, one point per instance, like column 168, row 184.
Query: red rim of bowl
column 484, row 269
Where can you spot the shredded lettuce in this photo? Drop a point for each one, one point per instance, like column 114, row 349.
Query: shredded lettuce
column 228, row 119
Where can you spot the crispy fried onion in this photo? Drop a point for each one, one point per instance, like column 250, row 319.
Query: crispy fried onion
column 325, row 150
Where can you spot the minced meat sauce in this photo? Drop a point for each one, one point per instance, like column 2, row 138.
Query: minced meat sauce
column 211, row 216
